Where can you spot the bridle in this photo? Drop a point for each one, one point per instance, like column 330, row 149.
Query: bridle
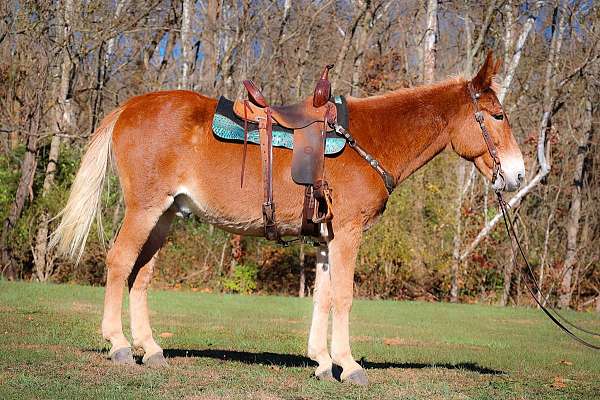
column 497, row 168
column 552, row 313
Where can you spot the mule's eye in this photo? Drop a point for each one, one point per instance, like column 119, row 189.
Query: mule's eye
column 499, row 117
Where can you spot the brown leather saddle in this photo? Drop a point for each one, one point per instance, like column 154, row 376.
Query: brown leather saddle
column 310, row 121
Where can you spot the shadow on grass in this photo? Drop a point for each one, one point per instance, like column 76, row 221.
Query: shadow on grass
column 293, row 360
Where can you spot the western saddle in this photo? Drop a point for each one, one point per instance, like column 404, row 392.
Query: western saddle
column 310, row 121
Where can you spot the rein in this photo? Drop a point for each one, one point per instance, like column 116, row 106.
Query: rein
column 552, row 313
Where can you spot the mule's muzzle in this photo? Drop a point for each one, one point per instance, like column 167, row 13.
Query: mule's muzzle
column 512, row 174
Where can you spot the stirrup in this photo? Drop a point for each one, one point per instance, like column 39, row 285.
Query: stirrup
column 271, row 232
column 324, row 211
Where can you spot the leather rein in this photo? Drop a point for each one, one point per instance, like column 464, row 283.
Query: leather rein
column 552, row 313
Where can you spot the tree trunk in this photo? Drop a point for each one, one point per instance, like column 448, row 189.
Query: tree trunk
column 428, row 76
column 186, row 24
column 460, row 181
column 359, row 14
column 103, row 67
column 429, row 51
column 583, row 146
column 302, row 289
column 24, row 189
column 302, row 63
column 457, row 242
column 363, row 32
column 62, row 124
column 210, row 43
column 516, row 58
column 508, row 274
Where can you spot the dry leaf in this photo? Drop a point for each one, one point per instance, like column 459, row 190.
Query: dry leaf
column 166, row 335
column 558, row 383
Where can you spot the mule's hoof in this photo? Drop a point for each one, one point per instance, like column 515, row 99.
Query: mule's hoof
column 358, row 377
column 326, row 375
column 122, row 356
column 156, row 360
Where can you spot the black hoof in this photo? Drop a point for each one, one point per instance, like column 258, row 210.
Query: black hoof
column 155, row 360
column 122, row 356
column 326, row 375
column 358, row 377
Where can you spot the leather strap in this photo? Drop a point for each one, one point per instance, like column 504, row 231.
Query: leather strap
column 265, row 127
column 245, row 143
column 388, row 179
column 496, row 170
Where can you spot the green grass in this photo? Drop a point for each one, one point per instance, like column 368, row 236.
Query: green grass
column 226, row 346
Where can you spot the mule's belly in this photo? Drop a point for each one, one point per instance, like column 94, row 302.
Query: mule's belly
column 247, row 222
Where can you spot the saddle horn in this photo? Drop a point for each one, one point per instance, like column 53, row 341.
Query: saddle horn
column 323, row 88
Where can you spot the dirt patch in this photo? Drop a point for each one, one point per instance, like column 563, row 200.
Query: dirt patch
column 287, row 321
column 83, row 307
column 7, row 309
column 56, row 348
column 360, row 339
column 418, row 343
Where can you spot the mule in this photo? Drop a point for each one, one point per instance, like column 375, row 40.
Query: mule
column 168, row 161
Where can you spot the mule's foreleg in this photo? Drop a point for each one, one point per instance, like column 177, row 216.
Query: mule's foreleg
column 120, row 261
column 317, row 339
column 343, row 250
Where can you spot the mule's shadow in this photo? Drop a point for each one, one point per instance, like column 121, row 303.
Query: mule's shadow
column 294, row 360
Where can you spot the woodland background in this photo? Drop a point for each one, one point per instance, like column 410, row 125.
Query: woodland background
column 64, row 64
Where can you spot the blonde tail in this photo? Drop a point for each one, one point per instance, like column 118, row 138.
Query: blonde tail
column 84, row 201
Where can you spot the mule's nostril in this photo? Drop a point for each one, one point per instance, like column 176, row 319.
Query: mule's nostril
column 520, row 177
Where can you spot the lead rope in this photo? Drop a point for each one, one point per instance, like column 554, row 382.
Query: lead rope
column 547, row 310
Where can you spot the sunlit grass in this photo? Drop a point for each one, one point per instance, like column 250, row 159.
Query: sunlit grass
column 225, row 346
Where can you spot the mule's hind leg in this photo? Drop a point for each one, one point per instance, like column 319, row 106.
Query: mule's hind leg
column 120, row 260
column 317, row 339
column 138, row 292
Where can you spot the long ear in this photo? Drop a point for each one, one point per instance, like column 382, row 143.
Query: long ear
column 483, row 79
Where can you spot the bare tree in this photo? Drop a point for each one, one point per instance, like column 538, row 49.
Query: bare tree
column 24, row 191
column 359, row 12
column 62, row 124
column 583, row 145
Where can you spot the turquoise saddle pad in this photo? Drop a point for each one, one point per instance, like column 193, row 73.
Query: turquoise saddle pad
column 229, row 127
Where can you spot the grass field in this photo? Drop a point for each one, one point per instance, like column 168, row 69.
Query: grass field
column 225, row 346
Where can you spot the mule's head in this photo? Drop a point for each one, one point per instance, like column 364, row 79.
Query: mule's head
column 468, row 141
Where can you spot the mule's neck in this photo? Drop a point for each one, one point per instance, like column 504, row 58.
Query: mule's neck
column 406, row 128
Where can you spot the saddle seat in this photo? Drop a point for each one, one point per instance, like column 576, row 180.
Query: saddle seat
column 293, row 116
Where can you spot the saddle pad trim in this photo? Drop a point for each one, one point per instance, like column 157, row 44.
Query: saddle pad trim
column 227, row 126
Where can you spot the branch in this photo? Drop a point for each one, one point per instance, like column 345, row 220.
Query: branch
column 514, row 63
column 513, row 202
column 486, row 25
